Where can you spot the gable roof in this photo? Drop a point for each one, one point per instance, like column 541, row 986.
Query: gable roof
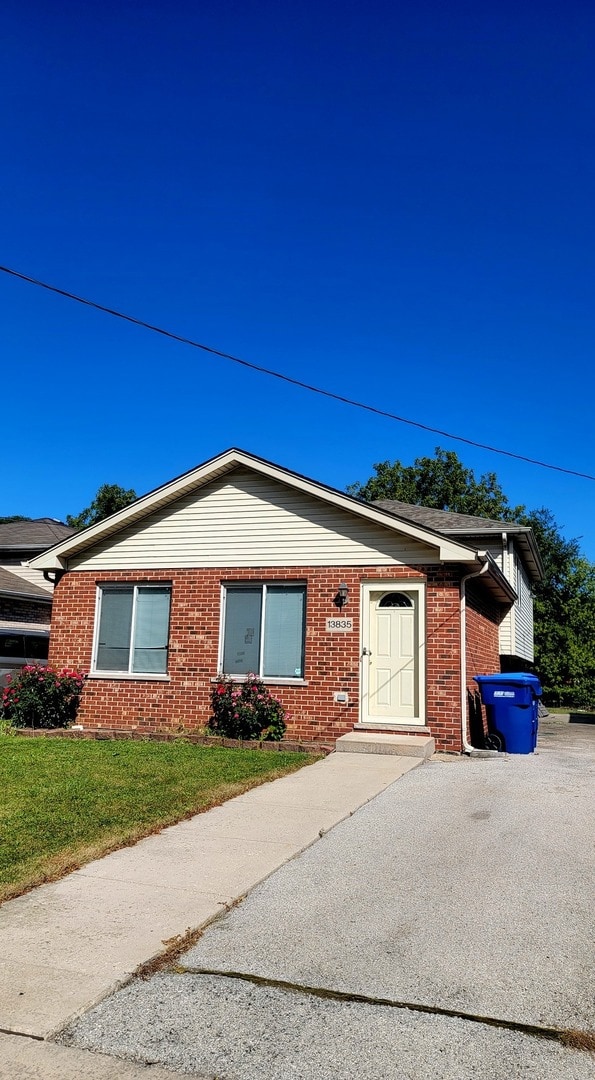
column 467, row 526
column 447, row 549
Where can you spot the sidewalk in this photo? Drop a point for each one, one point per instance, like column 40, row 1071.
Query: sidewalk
column 67, row 945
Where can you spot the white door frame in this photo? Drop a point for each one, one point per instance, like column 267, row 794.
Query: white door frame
column 417, row 591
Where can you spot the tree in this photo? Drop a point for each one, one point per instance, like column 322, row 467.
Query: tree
column 109, row 499
column 564, row 600
column 564, row 615
column 441, row 482
column 15, row 517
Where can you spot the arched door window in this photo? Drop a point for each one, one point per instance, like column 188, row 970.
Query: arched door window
column 395, row 599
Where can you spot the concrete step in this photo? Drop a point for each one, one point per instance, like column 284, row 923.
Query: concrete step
column 369, row 742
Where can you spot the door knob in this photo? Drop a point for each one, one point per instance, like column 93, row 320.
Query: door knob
column 366, row 652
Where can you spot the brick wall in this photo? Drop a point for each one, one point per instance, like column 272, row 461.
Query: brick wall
column 331, row 661
column 483, row 650
column 483, row 621
column 443, row 667
column 24, row 611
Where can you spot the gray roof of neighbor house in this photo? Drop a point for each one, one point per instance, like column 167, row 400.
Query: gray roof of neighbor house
column 36, row 535
column 468, row 526
column 13, row 585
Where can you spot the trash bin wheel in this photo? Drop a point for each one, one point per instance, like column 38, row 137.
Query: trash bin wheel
column 493, row 742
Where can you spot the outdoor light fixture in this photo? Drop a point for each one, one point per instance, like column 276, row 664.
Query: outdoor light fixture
column 342, row 594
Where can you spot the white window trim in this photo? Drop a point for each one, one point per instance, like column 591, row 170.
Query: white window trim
column 115, row 586
column 279, row 680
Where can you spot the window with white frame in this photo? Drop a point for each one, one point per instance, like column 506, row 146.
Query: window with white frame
column 132, row 629
column 264, row 630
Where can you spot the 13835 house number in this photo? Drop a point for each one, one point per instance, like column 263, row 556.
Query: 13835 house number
column 334, row 625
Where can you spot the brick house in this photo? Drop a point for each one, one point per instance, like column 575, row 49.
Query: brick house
column 25, row 594
column 357, row 615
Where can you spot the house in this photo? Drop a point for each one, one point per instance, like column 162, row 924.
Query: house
column 356, row 615
column 25, row 594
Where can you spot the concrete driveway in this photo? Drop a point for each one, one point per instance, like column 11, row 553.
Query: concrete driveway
column 445, row 930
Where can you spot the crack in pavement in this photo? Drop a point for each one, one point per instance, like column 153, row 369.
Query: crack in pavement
column 22, row 1034
column 569, row 1037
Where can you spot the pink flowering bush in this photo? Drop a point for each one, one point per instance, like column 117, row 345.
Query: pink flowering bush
column 41, row 697
column 245, row 710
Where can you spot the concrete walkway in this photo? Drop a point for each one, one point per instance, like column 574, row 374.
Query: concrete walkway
column 67, row 945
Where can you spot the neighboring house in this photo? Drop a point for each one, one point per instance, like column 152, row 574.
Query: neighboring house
column 355, row 615
column 25, row 594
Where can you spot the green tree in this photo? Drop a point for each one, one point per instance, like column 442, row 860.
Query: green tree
column 564, row 615
column 109, row 499
column 564, row 600
column 441, row 482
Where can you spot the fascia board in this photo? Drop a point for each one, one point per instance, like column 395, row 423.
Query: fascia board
column 56, row 557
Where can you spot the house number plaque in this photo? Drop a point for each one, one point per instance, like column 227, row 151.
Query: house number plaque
column 334, row 626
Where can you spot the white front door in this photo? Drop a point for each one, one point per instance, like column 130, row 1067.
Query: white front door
column 391, row 662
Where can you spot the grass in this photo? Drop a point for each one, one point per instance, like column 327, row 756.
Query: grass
column 66, row 802
column 577, row 716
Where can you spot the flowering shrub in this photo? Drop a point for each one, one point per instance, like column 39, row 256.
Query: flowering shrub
column 246, row 710
column 41, row 697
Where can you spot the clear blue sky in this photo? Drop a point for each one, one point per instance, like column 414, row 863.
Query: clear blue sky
column 393, row 201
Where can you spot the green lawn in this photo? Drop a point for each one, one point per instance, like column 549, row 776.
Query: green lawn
column 65, row 802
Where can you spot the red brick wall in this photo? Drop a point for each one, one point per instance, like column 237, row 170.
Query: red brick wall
column 483, row 650
column 483, row 622
column 443, row 665
column 331, row 661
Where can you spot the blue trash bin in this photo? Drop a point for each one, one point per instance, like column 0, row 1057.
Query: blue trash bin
column 512, row 703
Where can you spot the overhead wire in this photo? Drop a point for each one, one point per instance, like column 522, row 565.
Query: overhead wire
column 288, row 378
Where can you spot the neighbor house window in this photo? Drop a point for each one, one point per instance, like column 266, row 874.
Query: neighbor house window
column 133, row 629
column 263, row 630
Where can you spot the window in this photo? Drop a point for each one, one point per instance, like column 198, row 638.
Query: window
column 12, row 645
column 396, row 599
column 263, row 630
column 37, row 646
column 133, row 629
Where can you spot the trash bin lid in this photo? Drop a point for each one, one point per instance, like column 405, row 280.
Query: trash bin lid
column 513, row 678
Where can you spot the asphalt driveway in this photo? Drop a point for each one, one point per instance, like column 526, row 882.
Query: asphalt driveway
column 462, row 894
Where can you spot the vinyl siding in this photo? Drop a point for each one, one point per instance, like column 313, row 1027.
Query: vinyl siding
column 523, row 622
column 516, row 628
column 249, row 520
column 28, row 576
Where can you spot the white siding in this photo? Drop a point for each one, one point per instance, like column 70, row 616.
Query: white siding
column 495, row 550
column 250, row 520
column 523, row 623
column 516, row 628
column 506, row 565
column 28, row 576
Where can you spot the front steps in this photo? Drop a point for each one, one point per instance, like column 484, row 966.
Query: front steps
column 369, row 742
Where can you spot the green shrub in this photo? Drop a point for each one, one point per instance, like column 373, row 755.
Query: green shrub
column 40, row 697
column 246, row 710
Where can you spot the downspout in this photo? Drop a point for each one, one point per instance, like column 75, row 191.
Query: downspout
column 467, row 747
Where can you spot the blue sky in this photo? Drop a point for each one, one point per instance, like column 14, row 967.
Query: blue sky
column 392, row 201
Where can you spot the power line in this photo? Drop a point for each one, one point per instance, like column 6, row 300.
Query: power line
column 288, row 378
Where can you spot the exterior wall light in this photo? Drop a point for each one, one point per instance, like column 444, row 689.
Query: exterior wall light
column 341, row 597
